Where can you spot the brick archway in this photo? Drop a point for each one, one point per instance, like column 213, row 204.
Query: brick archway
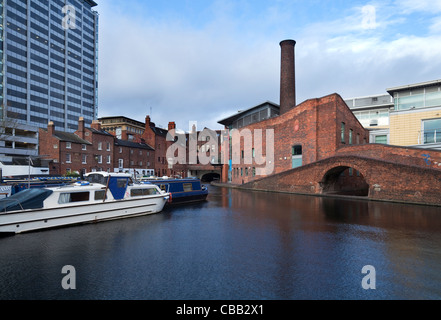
column 344, row 180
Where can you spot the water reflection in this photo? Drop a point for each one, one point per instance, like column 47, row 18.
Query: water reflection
column 237, row 245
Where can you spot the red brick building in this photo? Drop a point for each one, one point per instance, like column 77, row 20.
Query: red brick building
column 99, row 156
column 67, row 152
column 319, row 147
column 93, row 149
column 292, row 135
column 134, row 157
column 157, row 138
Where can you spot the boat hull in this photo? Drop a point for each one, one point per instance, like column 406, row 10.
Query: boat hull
column 32, row 220
column 198, row 197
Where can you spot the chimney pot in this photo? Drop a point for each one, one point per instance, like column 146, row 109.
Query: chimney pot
column 51, row 128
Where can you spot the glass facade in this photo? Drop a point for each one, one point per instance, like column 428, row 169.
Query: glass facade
column 372, row 118
column 50, row 62
column 432, row 131
column 418, row 98
column 260, row 114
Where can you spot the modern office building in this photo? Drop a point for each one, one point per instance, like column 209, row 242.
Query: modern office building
column 373, row 112
column 416, row 119
column 408, row 115
column 48, row 66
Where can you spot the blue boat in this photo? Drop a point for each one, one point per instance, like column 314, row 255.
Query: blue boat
column 181, row 190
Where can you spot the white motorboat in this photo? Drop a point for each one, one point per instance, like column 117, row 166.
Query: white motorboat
column 102, row 196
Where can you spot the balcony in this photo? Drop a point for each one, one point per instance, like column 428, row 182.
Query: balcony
column 428, row 137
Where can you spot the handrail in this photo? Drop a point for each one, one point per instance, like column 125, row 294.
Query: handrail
column 12, row 200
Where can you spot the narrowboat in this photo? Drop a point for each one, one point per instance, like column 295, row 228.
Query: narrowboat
column 101, row 196
column 183, row 190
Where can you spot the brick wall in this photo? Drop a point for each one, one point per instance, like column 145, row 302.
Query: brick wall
column 386, row 180
column 314, row 124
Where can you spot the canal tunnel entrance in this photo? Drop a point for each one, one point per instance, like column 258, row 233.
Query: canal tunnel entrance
column 344, row 180
column 209, row 177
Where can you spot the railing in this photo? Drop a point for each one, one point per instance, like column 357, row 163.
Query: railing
column 432, row 136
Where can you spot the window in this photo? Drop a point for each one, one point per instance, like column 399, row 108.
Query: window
column 84, row 158
column 343, row 125
column 99, row 159
column 120, row 150
column 188, row 187
column 350, row 136
column 142, row 192
column 108, row 146
column 73, row 197
column 297, row 150
column 381, row 139
column 68, row 158
column 121, row 183
column 83, row 147
column 100, row 146
column 431, row 131
column 108, row 159
column 297, row 156
column 100, row 194
column 68, row 145
column 120, row 163
column 254, row 171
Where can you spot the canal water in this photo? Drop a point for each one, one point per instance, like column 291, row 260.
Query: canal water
column 239, row 245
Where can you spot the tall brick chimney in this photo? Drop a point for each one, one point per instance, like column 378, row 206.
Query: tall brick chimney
column 287, row 76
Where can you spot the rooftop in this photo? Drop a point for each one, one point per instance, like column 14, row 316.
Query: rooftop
column 69, row 137
column 91, row 3
column 414, row 86
column 132, row 144
column 232, row 118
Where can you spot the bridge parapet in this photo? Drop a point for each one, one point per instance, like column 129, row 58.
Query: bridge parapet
column 403, row 155
column 386, row 180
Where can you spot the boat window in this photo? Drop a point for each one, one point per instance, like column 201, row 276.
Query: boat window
column 122, row 183
column 73, row 197
column 163, row 187
column 142, row 192
column 100, row 194
column 188, row 187
column 97, row 178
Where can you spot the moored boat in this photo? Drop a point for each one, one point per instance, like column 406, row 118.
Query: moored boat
column 102, row 196
column 181, row 190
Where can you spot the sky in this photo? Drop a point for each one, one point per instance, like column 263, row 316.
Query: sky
column 201, row 61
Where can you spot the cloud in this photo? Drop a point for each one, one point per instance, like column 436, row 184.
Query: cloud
column 181, row 73
column 411, row 6
column 205, row 72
